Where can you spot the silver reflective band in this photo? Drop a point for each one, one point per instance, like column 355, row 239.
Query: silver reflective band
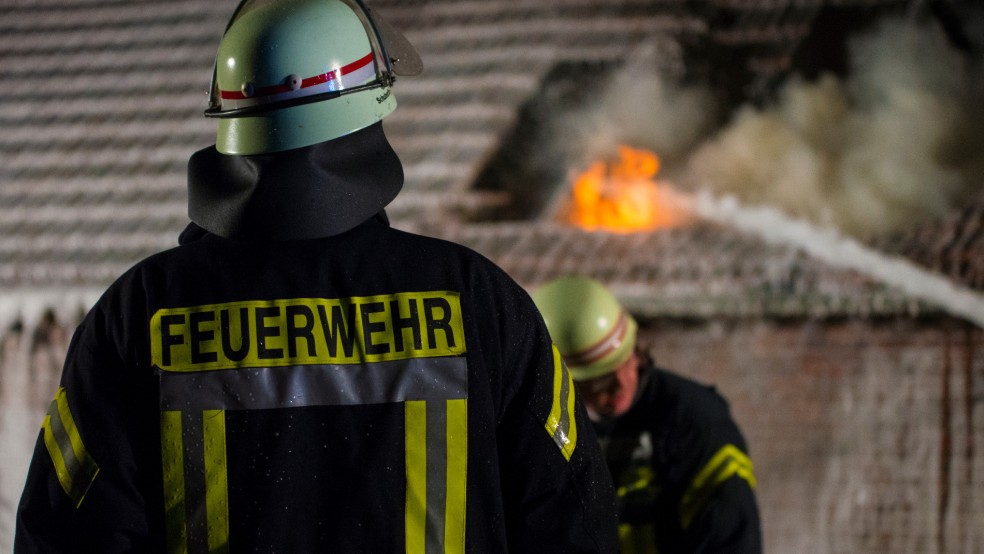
column 561, row 433
column 560, row 423
column 316, row 385
column 437, row 471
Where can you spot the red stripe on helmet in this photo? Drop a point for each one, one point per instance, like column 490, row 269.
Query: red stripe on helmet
column 603, row 347
column 305, row 83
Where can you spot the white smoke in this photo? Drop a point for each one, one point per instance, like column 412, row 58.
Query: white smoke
column 641, row 105
column 896, row 143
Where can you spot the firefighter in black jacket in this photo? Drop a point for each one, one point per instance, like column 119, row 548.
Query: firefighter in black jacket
column 685, row 482
column 297, row 376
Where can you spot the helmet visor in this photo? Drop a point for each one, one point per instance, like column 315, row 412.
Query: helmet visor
column 403, row 57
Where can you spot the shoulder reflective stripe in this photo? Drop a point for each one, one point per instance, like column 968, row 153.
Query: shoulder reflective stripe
column 727, row 462
column 316, row 385
column 196, row 490
column 560, row 422
column 308, row 331
column 75, row 469
column 436, row 465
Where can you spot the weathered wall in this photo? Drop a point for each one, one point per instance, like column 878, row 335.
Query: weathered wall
column 866, row 436
column 30, row 366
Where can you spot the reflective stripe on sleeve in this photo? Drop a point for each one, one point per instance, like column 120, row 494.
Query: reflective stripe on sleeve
column 74, row 467
column 727, row 462
column 560, row 422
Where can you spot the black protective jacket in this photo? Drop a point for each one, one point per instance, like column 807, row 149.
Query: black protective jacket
column 684, row 479
column 368, row 391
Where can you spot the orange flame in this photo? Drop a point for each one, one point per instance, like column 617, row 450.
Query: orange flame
column 624, row 197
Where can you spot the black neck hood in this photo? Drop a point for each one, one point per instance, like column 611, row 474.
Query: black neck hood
column 310, row 192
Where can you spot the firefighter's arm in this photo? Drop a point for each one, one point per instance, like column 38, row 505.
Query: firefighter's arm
column 718, row 511
column 558, row 490
column 83, row 489
column 728, row 524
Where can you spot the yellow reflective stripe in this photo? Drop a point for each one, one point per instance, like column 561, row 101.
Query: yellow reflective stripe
column 457, row 467
column 572, row 426
column 216, row 480
column 560, row 423
column 68, row 422
column 437, row 471
column 61, row 469
column 196, row 497
column 416, row 462
column 728, row 452
column 74, row 468
column 172, row 458
column 727, row 462
column 643, row 480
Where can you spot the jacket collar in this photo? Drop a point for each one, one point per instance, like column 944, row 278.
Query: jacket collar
column 316, row 191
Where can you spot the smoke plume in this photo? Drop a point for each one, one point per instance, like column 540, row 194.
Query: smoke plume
column 894, row 144
column 641, row 105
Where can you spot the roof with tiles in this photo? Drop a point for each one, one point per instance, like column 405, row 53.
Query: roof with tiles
column 707, row 270
column 952, row 246
column 100, row 106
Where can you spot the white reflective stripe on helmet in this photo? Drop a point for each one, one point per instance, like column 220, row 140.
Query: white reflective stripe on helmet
column 608, row 344
column 347, row 76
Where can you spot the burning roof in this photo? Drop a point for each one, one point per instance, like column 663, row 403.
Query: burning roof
column 94, row 161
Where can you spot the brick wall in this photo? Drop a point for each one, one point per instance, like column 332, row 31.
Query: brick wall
column 30, row 368
column 866, row 436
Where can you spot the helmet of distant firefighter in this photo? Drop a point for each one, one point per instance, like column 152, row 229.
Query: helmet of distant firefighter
column 591, row 329
column 293, row 73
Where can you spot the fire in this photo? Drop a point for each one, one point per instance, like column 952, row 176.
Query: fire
column 624, row 196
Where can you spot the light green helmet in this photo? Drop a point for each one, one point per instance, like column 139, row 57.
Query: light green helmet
column 591, row 329
column 293, row 73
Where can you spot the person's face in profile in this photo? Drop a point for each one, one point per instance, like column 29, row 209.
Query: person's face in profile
column 611, row 395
